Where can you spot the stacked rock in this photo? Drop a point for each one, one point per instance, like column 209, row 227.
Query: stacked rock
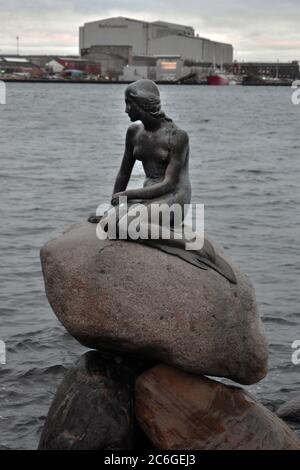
column 159, row 325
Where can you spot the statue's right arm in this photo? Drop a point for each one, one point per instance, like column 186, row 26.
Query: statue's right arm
column 127, row 162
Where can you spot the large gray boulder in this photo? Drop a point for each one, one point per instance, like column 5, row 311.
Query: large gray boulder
column 128, row 297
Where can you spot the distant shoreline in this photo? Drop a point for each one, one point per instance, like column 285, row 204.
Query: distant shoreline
column 106, row 82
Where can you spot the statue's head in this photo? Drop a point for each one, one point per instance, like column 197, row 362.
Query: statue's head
column 143, row 97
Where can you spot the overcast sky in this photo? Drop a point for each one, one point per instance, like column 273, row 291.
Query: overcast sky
column 258, row 29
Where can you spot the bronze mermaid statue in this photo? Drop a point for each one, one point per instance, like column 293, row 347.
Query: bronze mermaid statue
column 163, row 149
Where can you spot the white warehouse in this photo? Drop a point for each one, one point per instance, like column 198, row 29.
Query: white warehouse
column 150, row 39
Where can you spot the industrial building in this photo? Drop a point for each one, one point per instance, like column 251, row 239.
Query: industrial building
column 266, row 70
column 60, row 64
column 21, row 66
column 158, row 38
column 113, row 59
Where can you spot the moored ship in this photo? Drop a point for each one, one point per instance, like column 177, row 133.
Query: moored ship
column 217, row 78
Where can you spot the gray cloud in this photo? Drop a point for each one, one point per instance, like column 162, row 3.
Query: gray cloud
column 264, row 31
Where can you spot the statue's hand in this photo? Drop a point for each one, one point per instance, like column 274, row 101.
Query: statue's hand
column 115, row 201
column 94, row 219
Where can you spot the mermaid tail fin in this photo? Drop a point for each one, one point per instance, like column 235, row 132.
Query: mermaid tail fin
column 208, row 256
column 203, row 259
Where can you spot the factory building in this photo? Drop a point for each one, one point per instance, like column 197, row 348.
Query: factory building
column 192, row 49
column 21, row 67
column 265, row 70
column 152, row 39
column 112, row 58
column 60, row 64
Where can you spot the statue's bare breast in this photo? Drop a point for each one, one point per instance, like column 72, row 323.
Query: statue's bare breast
column 153, row 150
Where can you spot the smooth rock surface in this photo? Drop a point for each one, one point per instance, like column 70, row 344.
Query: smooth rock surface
column 290, row 411
column 128, row 297
column 182, row 411
column 93, row 407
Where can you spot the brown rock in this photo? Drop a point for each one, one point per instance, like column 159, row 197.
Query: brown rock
column 181, row 411
column 128, row 297
column 93, row 406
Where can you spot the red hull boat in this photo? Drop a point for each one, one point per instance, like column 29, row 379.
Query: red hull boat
column 217, row 79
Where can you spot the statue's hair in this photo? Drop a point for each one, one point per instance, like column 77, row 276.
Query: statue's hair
column 145, row 94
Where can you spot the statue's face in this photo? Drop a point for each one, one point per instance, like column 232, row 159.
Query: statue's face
column 132, row 110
